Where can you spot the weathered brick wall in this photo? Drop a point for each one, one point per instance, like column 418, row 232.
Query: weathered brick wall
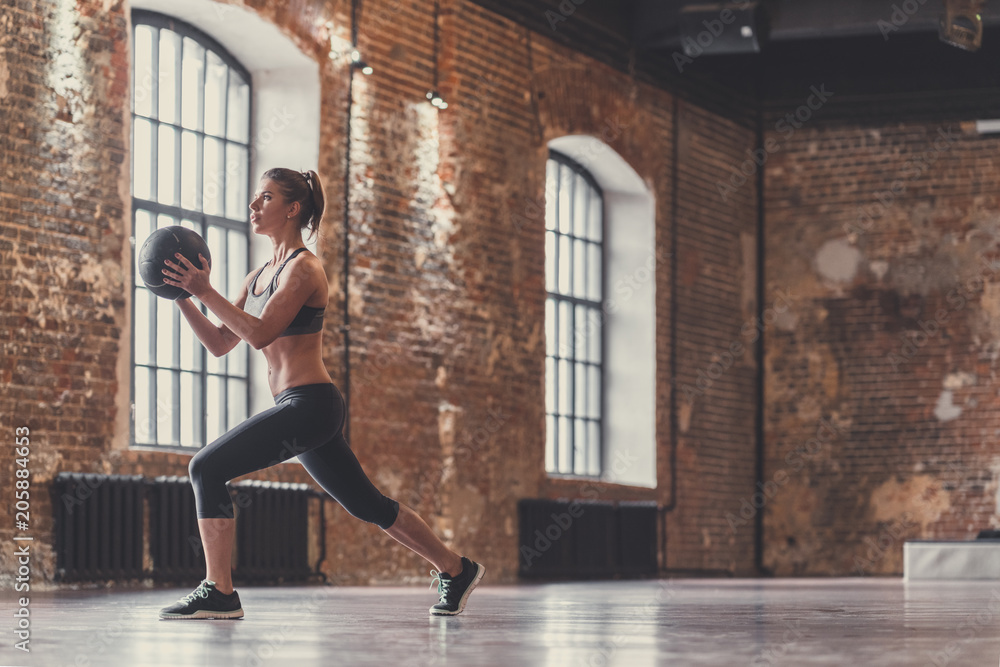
column 716, row 273
column 880, row 389
column 446, row 287
column 63, row 198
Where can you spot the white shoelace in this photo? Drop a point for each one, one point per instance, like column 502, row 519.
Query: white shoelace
column 200, row 592
column 442, row 583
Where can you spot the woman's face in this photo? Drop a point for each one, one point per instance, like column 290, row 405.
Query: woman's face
column 268, row 209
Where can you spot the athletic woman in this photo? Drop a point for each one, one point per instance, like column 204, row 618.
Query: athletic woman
column 279, row 310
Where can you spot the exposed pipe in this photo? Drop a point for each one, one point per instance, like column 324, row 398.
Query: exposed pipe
column 675, row 185
column 345, row 328
column 758, row 539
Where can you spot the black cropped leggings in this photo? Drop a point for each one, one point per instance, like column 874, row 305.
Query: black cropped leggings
column 307, row 422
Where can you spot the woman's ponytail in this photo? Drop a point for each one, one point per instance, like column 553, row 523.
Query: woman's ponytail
column 305, row 188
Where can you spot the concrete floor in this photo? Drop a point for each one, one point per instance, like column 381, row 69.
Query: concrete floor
column 854, row 622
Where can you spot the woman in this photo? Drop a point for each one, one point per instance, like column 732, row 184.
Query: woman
column 279, row 310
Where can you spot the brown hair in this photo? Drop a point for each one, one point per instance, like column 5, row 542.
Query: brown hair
column 305, row 188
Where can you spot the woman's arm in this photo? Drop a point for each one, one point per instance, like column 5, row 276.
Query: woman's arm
column 217, row 340
column 297, row 284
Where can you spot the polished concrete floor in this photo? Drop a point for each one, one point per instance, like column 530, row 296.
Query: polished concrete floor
column 854, row 622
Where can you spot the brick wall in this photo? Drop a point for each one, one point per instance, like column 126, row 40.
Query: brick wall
column 716, row 273
column 63, row 157
column 880, row 390
column 446, row 287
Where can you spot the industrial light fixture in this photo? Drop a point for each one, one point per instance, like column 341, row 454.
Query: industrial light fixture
column 989, row 126
column 962, row 24
column 358, row 63
column 433, row 95
column 436, row 99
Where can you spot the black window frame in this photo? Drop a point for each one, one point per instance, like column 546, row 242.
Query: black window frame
column 569, row 471
column 202, row 222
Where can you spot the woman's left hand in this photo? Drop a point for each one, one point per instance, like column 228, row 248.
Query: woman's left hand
column 182, row 273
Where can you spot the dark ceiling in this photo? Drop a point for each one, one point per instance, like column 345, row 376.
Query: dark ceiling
column 792, row 19
column 802, row 42
column 654, row 24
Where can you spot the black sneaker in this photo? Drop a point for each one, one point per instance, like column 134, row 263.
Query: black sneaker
column 205, row 602
column 455, row 591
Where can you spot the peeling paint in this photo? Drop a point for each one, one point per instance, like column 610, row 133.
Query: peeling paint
column 797, row 546
column 920, row 498
column 4, row 73
column 684, row 416
column 502, row 347
column 824, row 370
column 959, row 380
column 787, row 320
column 837, row 261
column 469, row 509
column 356, row 297
column 989, row 310
column 810, row 409
column 946, row 410
column 446, row 437
column 446, row 428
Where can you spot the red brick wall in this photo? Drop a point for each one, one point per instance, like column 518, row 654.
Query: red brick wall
column 63, row 153
column 880, row 390
column 716, row 273
column 447, row 271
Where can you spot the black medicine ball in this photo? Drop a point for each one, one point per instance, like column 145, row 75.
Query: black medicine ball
column 161, row 245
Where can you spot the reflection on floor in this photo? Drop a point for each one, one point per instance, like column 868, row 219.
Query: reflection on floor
column 855, row 622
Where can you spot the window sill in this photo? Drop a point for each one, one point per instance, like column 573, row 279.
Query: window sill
column 592, row 488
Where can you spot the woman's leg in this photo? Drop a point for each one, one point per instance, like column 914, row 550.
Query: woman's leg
column 217, row 539
column 335, row 467
column 413, row 533
column 264, row 440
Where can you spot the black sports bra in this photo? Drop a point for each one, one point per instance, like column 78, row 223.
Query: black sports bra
column 308, row 320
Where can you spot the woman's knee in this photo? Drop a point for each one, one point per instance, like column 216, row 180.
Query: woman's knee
column 196, row 467
column 382, row 512
column 385, row 514
column 203, row 470
column 391, row 515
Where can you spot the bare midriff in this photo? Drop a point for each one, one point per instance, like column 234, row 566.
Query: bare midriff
column 293, row 361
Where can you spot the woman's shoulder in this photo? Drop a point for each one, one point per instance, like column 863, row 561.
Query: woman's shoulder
column 307, row 259
column 306, row 266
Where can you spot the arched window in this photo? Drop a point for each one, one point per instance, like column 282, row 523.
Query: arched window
column 574, row 355
column 190, row 167
column 601, row 263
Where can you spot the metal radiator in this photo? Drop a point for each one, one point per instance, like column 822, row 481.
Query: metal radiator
column 272, row 531
column 638, row 552
column 98, row 526
column 586, row 539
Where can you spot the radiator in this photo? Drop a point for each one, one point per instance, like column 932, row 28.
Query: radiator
column 272, row 531
column 98, row 525
column 99, row 529
column 581, row 539
column 174, row 541
column 638, row 546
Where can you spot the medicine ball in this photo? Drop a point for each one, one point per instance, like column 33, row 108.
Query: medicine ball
column 161, row 245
